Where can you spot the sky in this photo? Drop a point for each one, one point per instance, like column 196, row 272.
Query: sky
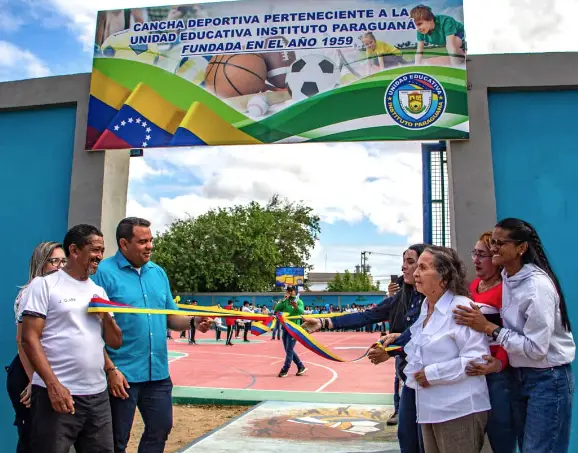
column 367, row 195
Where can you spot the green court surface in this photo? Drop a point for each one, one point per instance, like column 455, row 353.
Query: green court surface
column 208, row 395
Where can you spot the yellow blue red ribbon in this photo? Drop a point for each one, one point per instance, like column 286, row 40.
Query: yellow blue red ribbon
column 263, row 323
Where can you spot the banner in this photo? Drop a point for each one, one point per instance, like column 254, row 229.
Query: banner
column 268, row 71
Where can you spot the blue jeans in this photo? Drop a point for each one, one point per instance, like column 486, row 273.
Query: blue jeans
column 396, row 382
column 154, row 402
column 500, row 427
column 277, row 330
column 408, row 430
column 542, row 408
column 290, row 354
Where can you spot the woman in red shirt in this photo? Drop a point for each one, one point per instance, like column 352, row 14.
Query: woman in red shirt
column 230, row 324
column 486, row 292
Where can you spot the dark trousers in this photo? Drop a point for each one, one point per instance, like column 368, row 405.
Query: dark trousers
column 154, row 402
column 408, row 430
column 247, row 330
column 16, row 382
column 229, row 334
column 500, row 428
column 217, row 332
column 277, row 330
column 89, row 429
column 192, row 331
column 290, row 355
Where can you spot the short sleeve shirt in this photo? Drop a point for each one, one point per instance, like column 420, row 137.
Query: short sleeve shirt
column 143, row 356
column 72, row 337
column 444, row 26
column 382, row 49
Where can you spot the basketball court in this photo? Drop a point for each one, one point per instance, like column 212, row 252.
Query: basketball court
column 211, row 372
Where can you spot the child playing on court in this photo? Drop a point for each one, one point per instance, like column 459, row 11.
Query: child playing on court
column 439, row 30
column 380, row 54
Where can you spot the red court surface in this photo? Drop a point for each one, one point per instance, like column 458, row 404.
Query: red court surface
column 255, row 365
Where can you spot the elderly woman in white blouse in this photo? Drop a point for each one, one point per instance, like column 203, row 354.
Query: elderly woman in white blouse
column 452, row 407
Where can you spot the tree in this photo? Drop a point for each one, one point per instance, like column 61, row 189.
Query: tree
column 358, row 282
column 238, row 248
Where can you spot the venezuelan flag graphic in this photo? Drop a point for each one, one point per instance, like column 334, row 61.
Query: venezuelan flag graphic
column 106, row 99
column 202, row 126
column 258, row 328
column 145, row 120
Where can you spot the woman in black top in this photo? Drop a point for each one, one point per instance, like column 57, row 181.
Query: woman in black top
column 401, row 310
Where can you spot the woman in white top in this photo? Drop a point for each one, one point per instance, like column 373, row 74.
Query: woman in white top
column 536, row 335
column 452, row 407
column 47, row 257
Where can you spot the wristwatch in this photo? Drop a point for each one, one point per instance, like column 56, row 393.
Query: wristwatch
column 496, row 333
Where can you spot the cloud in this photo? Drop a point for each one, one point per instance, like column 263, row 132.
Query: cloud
column 9, row 23
column 348, row 182
column 18, row 63
column 141, row 170
column 81, row 14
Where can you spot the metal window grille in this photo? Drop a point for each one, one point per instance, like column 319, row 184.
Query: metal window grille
column 436, row 213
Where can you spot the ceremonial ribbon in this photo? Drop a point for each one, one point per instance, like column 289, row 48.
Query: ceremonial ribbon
column 263, row 323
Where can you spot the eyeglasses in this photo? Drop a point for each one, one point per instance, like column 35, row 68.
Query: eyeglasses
column 499, row 243
column 480, row 255
column 57, row 262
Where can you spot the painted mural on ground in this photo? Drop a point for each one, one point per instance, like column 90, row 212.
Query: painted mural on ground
column 283, row 426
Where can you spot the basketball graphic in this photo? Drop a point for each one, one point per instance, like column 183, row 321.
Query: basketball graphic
column 236, row 75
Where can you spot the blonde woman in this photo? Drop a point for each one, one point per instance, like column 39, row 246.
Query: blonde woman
column 47, row 257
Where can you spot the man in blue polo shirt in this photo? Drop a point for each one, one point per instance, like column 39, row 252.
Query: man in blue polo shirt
column 138, row 372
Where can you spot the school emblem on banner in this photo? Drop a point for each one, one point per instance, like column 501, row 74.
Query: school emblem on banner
column 415, row 101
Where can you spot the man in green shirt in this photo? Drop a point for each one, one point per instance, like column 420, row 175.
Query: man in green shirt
column 439, row 30
column 292, row 305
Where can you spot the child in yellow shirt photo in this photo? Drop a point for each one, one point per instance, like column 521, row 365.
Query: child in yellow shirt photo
column 379, row 54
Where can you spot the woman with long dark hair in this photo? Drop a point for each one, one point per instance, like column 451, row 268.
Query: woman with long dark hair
column 401, row 310
column 536, row 335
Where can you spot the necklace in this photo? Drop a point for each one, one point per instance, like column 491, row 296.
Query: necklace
column 483, row 287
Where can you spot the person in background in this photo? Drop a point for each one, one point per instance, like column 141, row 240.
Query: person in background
column 536, row 334
column 65, row 345
column 246, row 322
column 264, row 310
column 47, row 257
column 401, row 309
column 293, row 305
column 452, row 407
column 230, row 324
column 138, row 373
column 486, row 292
column 276, row 332
column 218, row 327
column 193, row 329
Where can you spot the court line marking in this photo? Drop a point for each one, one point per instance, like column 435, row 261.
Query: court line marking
column 174, row 359
column 329, row 382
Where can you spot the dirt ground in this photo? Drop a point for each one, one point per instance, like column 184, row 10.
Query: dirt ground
column 189, row 422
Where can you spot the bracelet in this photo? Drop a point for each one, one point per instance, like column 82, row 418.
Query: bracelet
column 108, row 370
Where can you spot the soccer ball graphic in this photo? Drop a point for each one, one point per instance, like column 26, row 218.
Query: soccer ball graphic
column 310, row 75
column 119, row 46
